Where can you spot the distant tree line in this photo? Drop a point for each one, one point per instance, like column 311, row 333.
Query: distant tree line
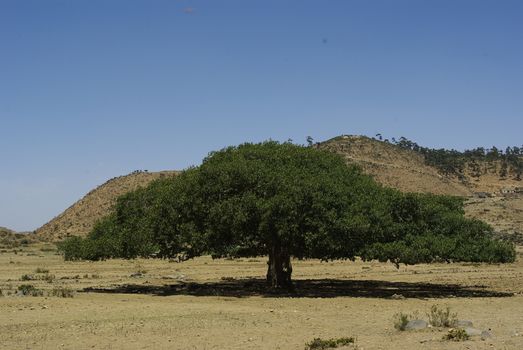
column 453, row 162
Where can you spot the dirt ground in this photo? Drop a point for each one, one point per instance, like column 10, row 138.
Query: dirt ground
column 222, row 304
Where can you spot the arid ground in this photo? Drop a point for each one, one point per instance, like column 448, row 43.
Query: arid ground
column 222, row 304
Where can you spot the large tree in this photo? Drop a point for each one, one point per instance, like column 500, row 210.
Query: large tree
column 284, row 201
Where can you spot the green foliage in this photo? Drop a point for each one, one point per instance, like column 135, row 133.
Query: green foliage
column 322, row 344
column 27, row 277
column 439, row 317
column 401, row 320
column 285, row 200
column 48, row 278
column 30, row 290
column 62, row 292
column 456, row 334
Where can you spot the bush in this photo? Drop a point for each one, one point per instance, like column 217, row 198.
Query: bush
column 401, row 320
column 48, row 278
column 62, row 292
column 321, row 344
column 30, row 290
column 456, row 334
column 441, row 317
column 27, row 277
column 41, row 270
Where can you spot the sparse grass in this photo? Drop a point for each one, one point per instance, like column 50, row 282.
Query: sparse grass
column 30, row 290
column 41, row 270
column 439, row 317
column 62, row 292
column 139, row 268
column 48, row 249
column 321, row 344
column 456, row 334
column 401, row 320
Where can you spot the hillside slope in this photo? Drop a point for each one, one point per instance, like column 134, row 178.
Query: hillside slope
column 407, row 171
column 79, row 219
column 393, row 166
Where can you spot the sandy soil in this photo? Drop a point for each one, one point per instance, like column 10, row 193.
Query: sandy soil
column 221, row 304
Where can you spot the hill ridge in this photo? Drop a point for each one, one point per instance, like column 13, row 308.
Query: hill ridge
column 79, row 218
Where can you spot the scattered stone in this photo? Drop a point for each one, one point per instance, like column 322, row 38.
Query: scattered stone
column 179, row 277
column 472, row 331
column 464, row 323
column 397, row 297
column 414, row 325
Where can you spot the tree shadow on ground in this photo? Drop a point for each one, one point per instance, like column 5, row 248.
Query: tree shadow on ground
column 318, row 288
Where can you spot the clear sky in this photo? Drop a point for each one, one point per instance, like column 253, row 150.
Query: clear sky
column 92, row 89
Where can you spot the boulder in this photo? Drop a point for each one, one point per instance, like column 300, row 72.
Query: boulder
column 471, row 332
column 463, row 324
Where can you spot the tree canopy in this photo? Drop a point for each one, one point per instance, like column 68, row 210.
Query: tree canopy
column 285, row 200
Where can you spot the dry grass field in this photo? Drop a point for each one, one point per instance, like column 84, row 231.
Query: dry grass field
column 222, row 304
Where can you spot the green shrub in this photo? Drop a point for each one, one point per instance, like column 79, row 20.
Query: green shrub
column 401, row 320
column 48, row 278
column 62, row 292
column 27, row 277
column 321, row 344
column 441, row 317
column 30, row 290
column 456, row 334
column 41, row 270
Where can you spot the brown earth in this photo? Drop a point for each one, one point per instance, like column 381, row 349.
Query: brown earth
column 221, row 304
column 406, row 170
column 505, row 214
column 393, row 166
column 79, row 219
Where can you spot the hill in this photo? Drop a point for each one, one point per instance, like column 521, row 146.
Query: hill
column 393, row 166
column 12, row 239
column 79, row 218
column 494, row 197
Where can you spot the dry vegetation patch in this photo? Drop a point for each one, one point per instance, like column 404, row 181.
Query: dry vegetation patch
column 338, row 299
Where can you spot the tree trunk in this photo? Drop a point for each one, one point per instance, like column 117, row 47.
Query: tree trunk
column 279, row 269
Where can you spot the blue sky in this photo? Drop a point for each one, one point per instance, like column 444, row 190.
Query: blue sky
column 94, row 89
